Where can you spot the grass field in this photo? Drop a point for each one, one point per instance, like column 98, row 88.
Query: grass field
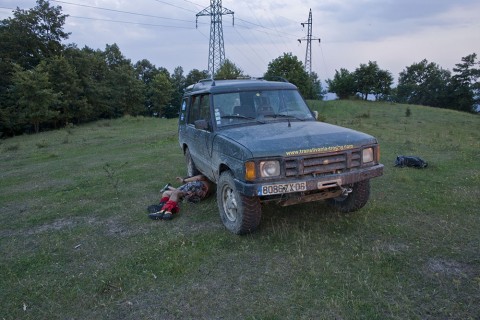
column 76, row 242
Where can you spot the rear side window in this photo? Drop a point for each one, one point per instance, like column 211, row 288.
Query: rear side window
column 199, row 109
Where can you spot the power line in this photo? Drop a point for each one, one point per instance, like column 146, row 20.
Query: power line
column 276, row 34
column 273, row 31
column 175, row 6
column 251, row 49
column 256, row 18
column 198, row 5
column 263, row 27
column 7, row 8
column 120, row 11
column 130, row 22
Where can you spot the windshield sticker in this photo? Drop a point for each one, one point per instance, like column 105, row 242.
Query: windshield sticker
column 218, row 116
column 319, row 150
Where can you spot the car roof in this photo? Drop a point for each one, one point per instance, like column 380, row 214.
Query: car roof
column 220, row 86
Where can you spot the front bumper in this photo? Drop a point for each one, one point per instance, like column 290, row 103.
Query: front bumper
column 313, row 183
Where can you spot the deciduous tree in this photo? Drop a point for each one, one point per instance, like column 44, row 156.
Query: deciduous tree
column 195, row 75
column 34, row 95
column 342, row 84
column 290, row 68
column 424, row 83
column 228, row 70
column 161, row 92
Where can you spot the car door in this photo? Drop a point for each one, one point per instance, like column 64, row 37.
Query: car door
column 199, row 133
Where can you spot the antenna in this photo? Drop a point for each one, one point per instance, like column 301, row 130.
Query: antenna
column 216, row 50
column 308, row 53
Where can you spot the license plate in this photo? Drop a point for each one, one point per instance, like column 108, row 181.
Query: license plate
column 282, row 188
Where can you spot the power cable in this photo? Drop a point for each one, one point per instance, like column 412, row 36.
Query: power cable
column 268, row 35
column 120, row 11
column 258, row 25
column 175, row 6
column 130, row 22
column 275, row 32
column 198, row 5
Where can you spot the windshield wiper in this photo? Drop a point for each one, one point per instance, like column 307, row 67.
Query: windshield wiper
column 239, row 116
column 281, row 115
column 236, row 116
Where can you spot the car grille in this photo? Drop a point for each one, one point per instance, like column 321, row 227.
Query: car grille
column 325, row 163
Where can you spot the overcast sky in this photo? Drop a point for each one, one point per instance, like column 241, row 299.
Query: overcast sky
column 394, row 33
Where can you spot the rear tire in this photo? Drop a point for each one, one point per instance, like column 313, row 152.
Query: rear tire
column 240, row 214
column 354, row 200
column 191, row 168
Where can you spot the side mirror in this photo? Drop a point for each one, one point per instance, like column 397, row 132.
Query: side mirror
column 201, row 124
column 315, row 114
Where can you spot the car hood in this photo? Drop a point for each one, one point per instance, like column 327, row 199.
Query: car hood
column 300, row 138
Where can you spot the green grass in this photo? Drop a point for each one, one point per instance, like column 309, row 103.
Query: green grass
column 76, row 242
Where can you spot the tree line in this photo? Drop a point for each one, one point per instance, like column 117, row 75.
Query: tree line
column 424, row 83
column 46, row 84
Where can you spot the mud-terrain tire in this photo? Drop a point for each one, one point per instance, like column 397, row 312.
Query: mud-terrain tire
column 191, row 168
column 239, row 214
column 354, row 200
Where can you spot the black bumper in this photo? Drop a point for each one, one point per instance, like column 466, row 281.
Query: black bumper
column 313, row 183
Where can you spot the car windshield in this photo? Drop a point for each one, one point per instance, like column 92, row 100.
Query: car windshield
column 259, row 106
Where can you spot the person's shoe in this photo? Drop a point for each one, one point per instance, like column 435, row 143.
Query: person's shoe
column 165, row 188
column 154, row 208
column 157, row 215
column 167, row 215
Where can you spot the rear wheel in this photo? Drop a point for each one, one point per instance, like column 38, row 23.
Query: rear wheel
column 355, row 200
column 191, row 168
column 239, row 214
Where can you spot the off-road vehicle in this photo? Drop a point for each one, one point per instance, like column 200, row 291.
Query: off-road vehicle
column 259, row 141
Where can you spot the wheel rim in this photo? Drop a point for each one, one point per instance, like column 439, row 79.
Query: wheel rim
column 229, row 204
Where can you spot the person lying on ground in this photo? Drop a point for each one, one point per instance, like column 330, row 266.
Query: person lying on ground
column 194, row 189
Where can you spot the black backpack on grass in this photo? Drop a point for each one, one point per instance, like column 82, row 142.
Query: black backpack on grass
column 410, row 161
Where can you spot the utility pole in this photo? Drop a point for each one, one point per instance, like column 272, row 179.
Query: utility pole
column 308, row 53
column 216, row 50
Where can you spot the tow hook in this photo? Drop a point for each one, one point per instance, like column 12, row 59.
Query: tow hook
column 346, row 191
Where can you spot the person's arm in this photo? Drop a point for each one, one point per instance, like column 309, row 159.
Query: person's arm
column 191, row 179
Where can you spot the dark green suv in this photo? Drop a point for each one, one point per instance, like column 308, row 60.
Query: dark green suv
column 259, row 141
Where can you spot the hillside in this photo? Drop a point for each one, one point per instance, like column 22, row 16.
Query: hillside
column 76, row 242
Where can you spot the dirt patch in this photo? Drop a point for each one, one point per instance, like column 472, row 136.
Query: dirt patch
column 448, row 268
column 390, row 247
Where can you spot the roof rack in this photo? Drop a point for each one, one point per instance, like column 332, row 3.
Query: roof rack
column 200, row 84
column 274, row 78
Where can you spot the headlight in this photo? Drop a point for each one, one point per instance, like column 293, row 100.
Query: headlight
column 367, row 155
column 269, row 169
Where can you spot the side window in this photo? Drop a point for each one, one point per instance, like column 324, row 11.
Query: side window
column 194, row 111
column 205, row 108
column 199, row 109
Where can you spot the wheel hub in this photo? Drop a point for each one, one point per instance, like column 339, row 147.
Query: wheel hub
column 230, row 204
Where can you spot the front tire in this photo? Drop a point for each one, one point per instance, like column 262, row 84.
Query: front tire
column 355, row 200
column 240, row 214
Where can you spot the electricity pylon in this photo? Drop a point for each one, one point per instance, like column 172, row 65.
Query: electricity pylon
column 216, row 50
column 308, row 53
